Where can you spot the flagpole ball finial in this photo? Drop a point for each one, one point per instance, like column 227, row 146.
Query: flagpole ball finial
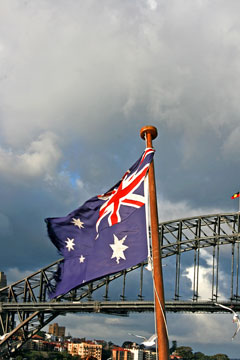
column 148, row 129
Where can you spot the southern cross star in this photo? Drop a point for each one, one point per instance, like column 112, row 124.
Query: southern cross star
column 78, row 223
column 81, row 259
column 118, row 248
column 70, row 244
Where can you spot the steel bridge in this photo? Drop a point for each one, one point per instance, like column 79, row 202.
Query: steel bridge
column 198, row 272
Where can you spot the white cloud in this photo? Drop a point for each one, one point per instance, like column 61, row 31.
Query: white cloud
column 107, row 327
column 39, row 159
column 168, row 210
column 202, row 329
column 205, row 278
column 152, row 4
column 14, row 274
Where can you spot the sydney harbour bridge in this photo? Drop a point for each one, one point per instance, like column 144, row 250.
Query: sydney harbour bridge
column 200, row 258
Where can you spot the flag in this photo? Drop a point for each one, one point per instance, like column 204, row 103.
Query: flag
column 105, row 235
column 236, row 195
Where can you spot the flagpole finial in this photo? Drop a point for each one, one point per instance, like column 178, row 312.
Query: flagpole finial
column 148, row 130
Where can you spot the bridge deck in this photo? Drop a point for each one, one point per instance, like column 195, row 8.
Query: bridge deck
column 115, row 307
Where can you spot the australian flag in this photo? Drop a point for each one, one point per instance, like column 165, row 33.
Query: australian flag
column 105, row 235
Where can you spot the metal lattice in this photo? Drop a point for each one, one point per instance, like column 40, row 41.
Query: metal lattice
column 25, row 307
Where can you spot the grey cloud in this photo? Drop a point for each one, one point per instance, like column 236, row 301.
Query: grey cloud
column 108, row 328
column 79, row 80
column 5, row 225
column 131, row 62
column 231, row 145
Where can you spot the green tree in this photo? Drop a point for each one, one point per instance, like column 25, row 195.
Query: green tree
column 41, row 333
column 173, row 347
column 185, row 352
column 200, row 356
column 53, row 355
column 219, row 357
column 106, row 354
column 34, row 355
column 66, row 356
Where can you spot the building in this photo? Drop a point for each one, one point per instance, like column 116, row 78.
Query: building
column 133, row 353
column 138, row 354
column 39, row 344
column 119, row 353
column 56, row 330
column 3, row 279
column 3, row 295
column 149, row 355
column 85, row 349
column 3, row 283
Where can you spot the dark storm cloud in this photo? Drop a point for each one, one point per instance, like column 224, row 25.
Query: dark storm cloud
column 79, row 80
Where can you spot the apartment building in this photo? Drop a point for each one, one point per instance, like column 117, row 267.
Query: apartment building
column 149, row 355
column 85, row 349
column 138, row 354
column 119, row 353
column 56, row 330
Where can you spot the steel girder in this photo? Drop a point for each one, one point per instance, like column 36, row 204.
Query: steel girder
column 187, row 234
column 22, row 309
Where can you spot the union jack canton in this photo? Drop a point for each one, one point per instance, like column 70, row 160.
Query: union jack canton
column 124, row 194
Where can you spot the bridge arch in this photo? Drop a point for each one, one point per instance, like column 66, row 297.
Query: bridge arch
column 25, row 307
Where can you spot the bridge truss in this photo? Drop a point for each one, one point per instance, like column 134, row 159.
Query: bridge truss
column 192, row 248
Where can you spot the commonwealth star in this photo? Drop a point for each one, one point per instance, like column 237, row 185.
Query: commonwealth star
column 118, row 248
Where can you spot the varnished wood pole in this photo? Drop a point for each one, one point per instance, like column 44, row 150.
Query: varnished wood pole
column 149, row 133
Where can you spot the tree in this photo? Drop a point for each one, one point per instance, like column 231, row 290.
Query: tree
column 127, row 344
column 200, row 356
column 185, row 352
column 33, row 355
column 219, row 357
column 106, row 354
column 53, row 355
column 66, row 355
column 174, row 346
column 41, row 333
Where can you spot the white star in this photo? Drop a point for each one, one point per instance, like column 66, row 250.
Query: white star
column 70, row 244
column 118, row 248
column 78, row 223
column 81, row 259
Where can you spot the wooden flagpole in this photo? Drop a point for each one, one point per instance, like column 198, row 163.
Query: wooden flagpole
column 149, row 133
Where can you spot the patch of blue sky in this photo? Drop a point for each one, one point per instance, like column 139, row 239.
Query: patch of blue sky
column 74, row 177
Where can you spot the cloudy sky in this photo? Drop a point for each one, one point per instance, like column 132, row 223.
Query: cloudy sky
column 78, row 80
